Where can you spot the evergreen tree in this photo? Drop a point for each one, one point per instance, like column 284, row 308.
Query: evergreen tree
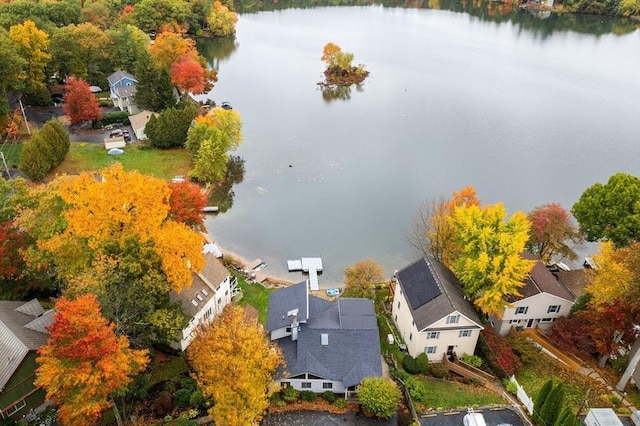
column 550, row 410
column 35, row 161
column 540, row 399
column 56, row 140
column 154, row 90
column 566, row 418
column 171, row 126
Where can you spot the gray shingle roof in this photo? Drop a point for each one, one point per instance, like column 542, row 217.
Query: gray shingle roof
column 353, row 349
column 541, row 280
column 118, row 76
column 283, row 302
column 20, row 333
column 203, row 287
column 429, row 272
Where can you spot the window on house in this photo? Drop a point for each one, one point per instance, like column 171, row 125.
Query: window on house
column 219, row 299
column 433, row 335
column 395, row 318
column 327, row 385
column 410, row 336
column 546, row 320
column 226, row 292
column 430, row 349
column 287, row 330
column 453, row 319
column 514, row 321
column 398, row 304
column 464, row 333
column 306, row 385
column 413, row 323
column 522, row 310
column 553, row 309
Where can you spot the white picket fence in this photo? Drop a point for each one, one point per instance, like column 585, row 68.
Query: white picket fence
column 522, row 396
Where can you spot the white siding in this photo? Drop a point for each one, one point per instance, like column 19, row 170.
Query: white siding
column 211, row 309
column 316, row 385
column 417, row 341
column 537, row 313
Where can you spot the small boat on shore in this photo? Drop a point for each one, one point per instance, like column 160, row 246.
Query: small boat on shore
column 333, row 292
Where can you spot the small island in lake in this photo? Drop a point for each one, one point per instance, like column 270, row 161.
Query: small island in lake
column 340, row 71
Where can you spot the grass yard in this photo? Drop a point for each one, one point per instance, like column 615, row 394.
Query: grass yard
column 161, row 163
column 255, row 295
column 440, row 394
column 533, row 377
column 11, row 152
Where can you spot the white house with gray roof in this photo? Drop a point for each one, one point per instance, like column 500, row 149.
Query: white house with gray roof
column 211, row 290
column 327, row 346
column 542, row 299
column 23, row 329
column 431, row 312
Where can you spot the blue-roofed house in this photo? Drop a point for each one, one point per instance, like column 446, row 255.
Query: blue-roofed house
column 327, row 346
column 122, row 88
column 431, row 312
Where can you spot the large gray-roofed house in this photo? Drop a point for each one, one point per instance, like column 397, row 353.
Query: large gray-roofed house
column 431, row 312
column 211, row 290
column 22, row 332
column 326, row 345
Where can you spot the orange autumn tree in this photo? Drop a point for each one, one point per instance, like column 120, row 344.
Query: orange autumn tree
column 84, row 362
column 112, row 208
column 186, row 203
column 240, row 389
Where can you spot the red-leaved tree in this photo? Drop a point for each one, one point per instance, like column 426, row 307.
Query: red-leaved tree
column 186, row 203
column 498, row 353
column 188, row 75
column 84, row 362
column 554, row 234
column 81, row 105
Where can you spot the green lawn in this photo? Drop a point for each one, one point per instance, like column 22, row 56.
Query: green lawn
column 254, row 295
column 533, row 377
column 11, row 152
column 442, row 394
column 162, row 163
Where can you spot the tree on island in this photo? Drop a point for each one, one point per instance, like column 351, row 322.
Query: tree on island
column 340, row 71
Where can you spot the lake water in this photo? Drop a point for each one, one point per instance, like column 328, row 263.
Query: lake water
column 527, row 114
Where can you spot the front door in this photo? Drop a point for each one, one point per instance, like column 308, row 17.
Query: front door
column 450, row 353
column 530, row 323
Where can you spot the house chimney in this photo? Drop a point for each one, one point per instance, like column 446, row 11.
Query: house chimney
column 294, row 328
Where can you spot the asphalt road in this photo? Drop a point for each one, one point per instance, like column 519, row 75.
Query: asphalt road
column 317, row 418
column 492, row 417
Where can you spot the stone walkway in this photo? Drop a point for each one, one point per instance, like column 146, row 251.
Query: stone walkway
column 590, row 372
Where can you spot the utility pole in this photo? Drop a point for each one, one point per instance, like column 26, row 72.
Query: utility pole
column 24, row 116
column 5, row 164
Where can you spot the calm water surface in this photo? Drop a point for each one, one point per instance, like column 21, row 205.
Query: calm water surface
column 451, row 101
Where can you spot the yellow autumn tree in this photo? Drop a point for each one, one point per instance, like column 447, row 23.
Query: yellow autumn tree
column 617, row 275
column 432, row 232
column 111, row 207
column 233, row 363
column 84, row 362
column 490, row 266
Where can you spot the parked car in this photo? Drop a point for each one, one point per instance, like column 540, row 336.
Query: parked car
column 116, row 133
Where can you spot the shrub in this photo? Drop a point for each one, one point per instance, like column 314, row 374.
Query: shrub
column 197, row 399
column 439, row 370
column 409, row 364
column 290, row 394
column 329, row 396
column 472, row 360
column 417, row 389
column 340, row 403
column 162, row 404
column 113, row 117
column 510, row 386
column 308, row 396
column 188, row 383
column 422, row 363
column 498, row 353
column 379, row 396
column 523, row 348
column 182, row 397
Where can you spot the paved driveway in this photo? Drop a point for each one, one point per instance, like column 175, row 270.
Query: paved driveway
column 493, row 417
